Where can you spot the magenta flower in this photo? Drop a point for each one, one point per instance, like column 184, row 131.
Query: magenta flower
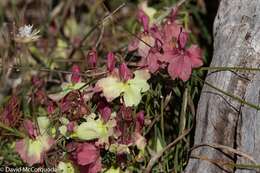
column 32, row 150
column 145, row 40
column 124, row 121
column 124, row 72
column 104, row 110
column 182, row 60
column 111, row 62
column 11, row 112
column 143, row 19
column 75, row 77
column 139, row 123
column 168, row 49
column 86, row 156
column 71, row 126
column 92, row 58
column 74, row 106
column 50, row 107
column 37, row 82
column 30, row 128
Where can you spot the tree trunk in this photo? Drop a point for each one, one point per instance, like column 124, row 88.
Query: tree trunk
column 221, row 119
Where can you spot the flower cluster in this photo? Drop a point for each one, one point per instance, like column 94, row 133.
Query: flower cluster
column 165, row 46
column 88, row 133
column 104, row 118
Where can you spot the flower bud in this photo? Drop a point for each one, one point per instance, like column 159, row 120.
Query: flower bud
column 92, row 58
column 125, row 72
column 144, row 19
column 111, row 62
column 75, row 77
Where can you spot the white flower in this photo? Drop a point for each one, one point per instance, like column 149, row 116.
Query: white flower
column 27, row 34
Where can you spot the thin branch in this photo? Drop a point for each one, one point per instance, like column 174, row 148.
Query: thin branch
column 223, row 147
column 14, row 131
column 229, row 68
column 158, row 155
column 87, row 74
column 228, row 94
column 73, row 51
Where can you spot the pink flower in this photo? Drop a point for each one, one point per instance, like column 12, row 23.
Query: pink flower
column 75, row 77
column 37, row 82
column 111, row 62
column 143, row 19
column 171, row 33
column 151, row 60
column 104, row 110
column 11, row 112
column 145, row 40
column 71, row 126
column 50, row 107
column 124, row 72
column 73, row 105
column 182, row 61
column 92, row 58
column 142, row 45
column 139, row 123
column 124, row 120
column 31, row 128
column 87, row 153
column 174, row 14
column 40, row 96
column 183, row 37
column 168, row 49
column 33, row 151
column 86, row 156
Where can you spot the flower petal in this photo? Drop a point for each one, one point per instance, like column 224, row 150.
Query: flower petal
column 31, row 151
column 152, row 61
column 87, row 154
column 75, row 77
column 92, row 129
column 65, row 167
column 194, row 53
column 183, row 37
column 92, row 58
column 133, row 45
column 140, row 80
column 43, row 123
column 134, row 87
column 143, row 19
column 132, row 96
column 111, row 61
column 145, row 45
column 180, row 67
column 111, row 86
column 171, row 31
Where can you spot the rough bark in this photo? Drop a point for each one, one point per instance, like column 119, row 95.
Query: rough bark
column 221, row 119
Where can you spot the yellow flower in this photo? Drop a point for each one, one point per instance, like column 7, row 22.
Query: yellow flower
column 131, row 90
column 64, row 167
column 95, row 129
column 32, row 150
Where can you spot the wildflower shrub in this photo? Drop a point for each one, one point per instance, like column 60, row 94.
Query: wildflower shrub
column 106, row 116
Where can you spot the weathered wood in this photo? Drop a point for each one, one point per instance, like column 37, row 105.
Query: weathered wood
column 221, row 119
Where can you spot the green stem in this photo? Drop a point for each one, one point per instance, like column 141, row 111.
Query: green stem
column 230, row 95
column 162, row 119
column 229, row 68
column 242, row 166
column 14, row 131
